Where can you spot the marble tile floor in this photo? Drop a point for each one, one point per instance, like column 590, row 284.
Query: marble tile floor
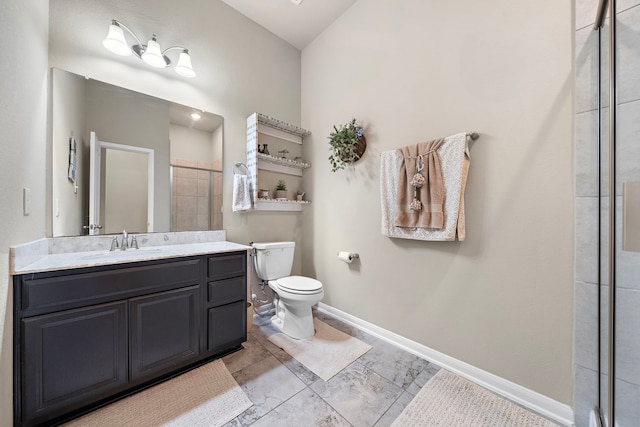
column 372, row 391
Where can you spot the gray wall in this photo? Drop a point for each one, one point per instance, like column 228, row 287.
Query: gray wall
column 501, row 300
column 24, row 28
column 70, row 200
column 586, row 212
column 192, row 144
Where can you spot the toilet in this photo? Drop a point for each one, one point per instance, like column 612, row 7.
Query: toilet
column 295, row 294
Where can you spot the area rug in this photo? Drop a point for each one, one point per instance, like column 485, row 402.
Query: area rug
column 450, row 400
column 206, row 396
column 326, row 353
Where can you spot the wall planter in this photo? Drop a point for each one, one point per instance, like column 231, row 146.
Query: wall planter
column 347, row 144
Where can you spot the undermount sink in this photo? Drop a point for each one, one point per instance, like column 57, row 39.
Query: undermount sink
column 129, row 253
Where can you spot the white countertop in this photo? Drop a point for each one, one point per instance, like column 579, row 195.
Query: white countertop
column 71, row 260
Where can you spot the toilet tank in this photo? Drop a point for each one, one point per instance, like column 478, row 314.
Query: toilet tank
column 273, row 260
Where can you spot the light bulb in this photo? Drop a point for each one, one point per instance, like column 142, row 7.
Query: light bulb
column 153, row 55
column 183, row 67
column 115, row 41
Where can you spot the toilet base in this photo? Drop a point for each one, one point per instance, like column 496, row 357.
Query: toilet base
column 295, row 322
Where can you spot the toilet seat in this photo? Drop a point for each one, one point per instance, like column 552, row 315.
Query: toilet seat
column 299, row 285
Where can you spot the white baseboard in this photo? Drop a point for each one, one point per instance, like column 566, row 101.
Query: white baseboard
column 536, row 402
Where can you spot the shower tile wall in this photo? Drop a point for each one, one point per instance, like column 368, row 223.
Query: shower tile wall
column 586, row 205
column 191, row 199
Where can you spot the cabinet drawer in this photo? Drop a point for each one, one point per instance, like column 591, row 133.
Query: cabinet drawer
column 47, row 293
column 227, row 290
column 224, row 266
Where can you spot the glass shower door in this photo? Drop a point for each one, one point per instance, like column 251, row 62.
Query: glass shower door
column 607, row 153
column 196, row 199
column 619, row 183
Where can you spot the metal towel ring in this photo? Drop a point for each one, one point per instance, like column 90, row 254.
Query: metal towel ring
column 240, row 169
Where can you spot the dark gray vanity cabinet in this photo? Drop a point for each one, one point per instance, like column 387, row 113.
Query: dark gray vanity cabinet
column 87, row 336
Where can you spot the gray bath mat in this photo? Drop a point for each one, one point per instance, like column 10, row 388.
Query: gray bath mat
column 326, row 353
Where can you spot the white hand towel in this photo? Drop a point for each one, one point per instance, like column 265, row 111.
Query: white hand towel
column 241, row 193
column 73, row 159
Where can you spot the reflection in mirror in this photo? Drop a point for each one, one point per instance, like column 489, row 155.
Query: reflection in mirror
column 188, row 199
column 120, row 176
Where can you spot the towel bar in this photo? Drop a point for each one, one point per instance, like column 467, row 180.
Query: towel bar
column 473, row 135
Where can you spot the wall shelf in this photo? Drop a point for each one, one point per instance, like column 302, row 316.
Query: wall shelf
column 268, row 124
column 283, row 162
column 262, row 127
column 280, row 165
column 279, row 205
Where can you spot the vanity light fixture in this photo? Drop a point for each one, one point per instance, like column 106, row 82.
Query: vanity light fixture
column 151, row 53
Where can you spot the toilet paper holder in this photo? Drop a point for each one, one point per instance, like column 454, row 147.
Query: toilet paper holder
column 347, row 257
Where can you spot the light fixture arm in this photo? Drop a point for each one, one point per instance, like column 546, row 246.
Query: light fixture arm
column 167, row 60
column 120, row 24
column 175, row 47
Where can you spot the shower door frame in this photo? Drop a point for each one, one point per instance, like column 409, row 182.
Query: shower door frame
column 603, row 7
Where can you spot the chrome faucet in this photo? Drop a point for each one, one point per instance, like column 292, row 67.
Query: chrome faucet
column 125, row 240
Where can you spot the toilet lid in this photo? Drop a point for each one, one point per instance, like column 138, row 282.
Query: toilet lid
column 299, row 284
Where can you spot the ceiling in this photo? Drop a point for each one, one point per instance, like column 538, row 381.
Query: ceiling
column 296, row 24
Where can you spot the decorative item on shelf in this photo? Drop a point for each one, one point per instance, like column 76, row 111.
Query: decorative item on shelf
column 299, row 195
column 283, row 152
column 264, row 193
column 347, row 144
column 281, row 190
column 260, row 149
column 265, row 149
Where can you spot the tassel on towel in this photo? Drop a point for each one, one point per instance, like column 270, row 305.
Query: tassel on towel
column 421, row 187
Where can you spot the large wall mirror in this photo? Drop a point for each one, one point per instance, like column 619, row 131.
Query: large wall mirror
column 122, row 160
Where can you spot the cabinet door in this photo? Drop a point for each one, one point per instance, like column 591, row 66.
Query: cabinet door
column 72, row 358
column 227, row 326
column 165, row 331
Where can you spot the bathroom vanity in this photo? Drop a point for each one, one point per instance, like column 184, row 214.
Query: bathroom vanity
column 87, row 335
